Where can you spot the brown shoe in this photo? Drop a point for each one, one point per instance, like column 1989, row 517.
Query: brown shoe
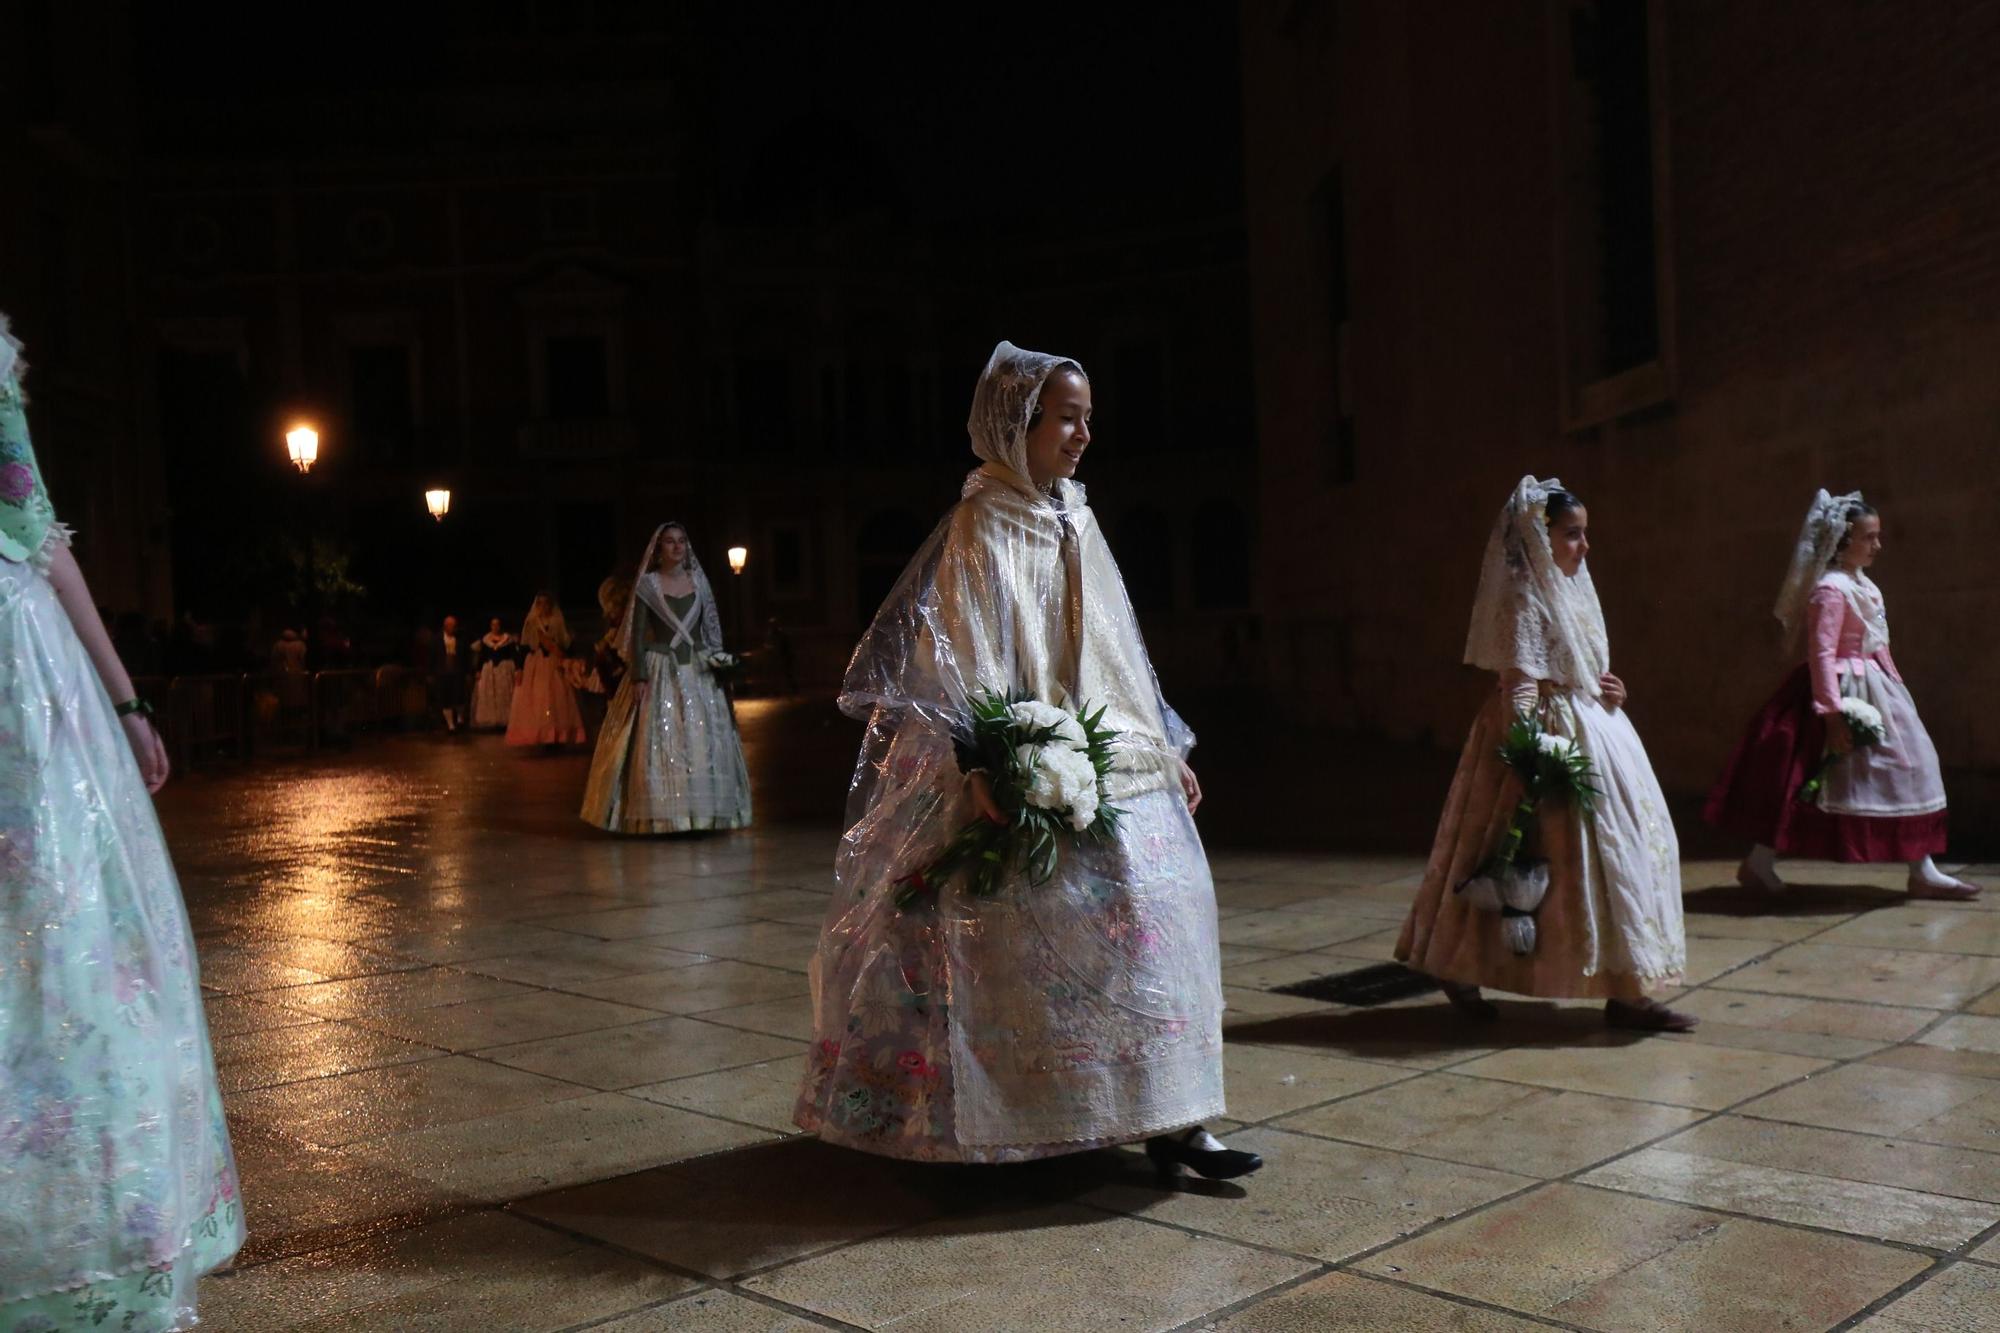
column 1469, row 1002
column 1646, row 1016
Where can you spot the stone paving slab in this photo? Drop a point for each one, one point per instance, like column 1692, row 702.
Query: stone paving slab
column 489, row 1069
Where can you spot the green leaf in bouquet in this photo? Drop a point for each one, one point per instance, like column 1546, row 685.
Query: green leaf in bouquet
column 1041, row 853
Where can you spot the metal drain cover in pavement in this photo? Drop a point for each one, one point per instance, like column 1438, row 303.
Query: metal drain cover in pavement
column 1377, row 984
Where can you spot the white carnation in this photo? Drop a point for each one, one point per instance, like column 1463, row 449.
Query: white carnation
column 1062, row 778
column 1861, row 713
column 1556, row 747
column 1033, row 715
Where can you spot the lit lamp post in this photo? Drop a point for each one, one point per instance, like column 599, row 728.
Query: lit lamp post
column 438, row 501
column 739, row 556
column 302, row 447
column 302, row 444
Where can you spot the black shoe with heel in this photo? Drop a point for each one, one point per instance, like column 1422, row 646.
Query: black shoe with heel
column 1170, row 1155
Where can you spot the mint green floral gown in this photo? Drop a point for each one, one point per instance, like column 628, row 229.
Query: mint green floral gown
column 117, row 1187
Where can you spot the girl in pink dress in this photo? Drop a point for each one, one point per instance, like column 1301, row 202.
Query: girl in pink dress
column 544, row 710
column 1880, row 802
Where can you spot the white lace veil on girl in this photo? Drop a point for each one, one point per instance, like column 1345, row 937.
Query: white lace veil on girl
column 1819, row 541
column 545, row 618
column 649, row 590
column 1528, row 615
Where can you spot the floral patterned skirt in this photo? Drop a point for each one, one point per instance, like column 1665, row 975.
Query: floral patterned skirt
column 493, row 695
column 1046, row 1020
column 117, row 1186
column 155, row 1299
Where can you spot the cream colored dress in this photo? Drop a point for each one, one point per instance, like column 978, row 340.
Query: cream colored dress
column 1610, row 925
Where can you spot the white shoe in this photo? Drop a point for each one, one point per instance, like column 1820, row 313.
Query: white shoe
column 1948, row 890
column 1756, row 877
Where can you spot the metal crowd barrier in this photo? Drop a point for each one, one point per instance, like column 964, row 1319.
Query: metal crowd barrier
column 203, row 718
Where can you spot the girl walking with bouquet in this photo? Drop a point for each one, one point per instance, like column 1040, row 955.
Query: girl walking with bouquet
column 1553, row 762
column 1837, row 765
column 117, row 1187
column 1020, row 959
column 668, row 758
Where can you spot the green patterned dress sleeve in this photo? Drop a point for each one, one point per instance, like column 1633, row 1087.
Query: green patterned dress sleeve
column 26, row 516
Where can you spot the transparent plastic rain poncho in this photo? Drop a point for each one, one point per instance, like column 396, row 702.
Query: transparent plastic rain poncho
column 1050, row 1017
column 668, row 757
column 116, row 1185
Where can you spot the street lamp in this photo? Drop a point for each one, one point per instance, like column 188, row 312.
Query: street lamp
column 438, row 501
column 739, row 556
column 302, row 444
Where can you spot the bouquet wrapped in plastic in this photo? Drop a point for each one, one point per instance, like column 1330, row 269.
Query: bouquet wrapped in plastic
column 1550, row 767
column 1865, row 728
column 1047, row 766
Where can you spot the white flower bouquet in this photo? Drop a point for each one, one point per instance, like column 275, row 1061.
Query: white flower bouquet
column 1048, row 767
column 723, row 666
column 1864, row 727
column 1550, row 767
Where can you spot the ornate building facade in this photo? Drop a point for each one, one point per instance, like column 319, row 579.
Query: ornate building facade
column 542, row 263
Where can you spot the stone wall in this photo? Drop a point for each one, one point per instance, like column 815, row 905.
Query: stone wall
column 1834, row 215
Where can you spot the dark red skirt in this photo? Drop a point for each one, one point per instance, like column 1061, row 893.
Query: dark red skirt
column 1756, row 797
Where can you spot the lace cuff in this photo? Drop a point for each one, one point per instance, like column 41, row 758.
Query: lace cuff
column 1523, row 692
column 60, row 534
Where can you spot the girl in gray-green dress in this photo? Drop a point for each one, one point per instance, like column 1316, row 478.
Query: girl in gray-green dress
column 668, row 758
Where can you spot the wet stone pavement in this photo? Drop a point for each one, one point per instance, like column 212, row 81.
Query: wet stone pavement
column 489, row 1070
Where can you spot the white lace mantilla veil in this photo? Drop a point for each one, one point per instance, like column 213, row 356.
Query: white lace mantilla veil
column 1819, row 541
column 649, row 589
column 550, row 620
column 1528, row 615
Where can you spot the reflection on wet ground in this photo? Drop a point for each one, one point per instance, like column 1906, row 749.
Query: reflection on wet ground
column 488, row 1069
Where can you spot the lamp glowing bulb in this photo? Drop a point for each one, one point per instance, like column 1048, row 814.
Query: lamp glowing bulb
column 739, row 556
column 438, row 501
column 302, row 444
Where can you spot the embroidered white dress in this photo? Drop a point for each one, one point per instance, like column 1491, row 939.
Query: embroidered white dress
column 1046, row 1019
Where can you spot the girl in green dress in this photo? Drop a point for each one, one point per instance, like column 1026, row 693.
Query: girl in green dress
column 117, row 1188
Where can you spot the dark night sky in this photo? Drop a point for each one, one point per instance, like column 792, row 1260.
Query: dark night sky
column 940, row 115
